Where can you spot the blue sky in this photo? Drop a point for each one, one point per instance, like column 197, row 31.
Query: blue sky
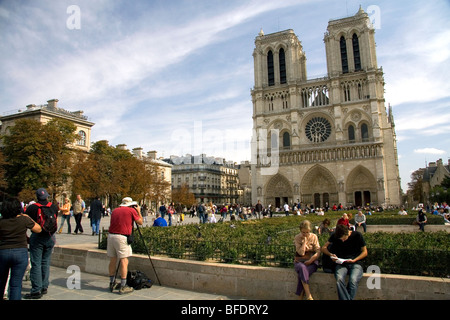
column 175, row 76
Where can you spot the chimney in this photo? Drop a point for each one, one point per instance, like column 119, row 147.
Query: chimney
column 138, row 152
column 122, row 146
column 53, row 103
column 152, row 155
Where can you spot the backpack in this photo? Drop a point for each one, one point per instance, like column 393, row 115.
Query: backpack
column 138, row 280
column 200, row 209
column 46, row 218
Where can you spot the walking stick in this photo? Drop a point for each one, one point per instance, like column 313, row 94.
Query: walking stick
column 148, row 253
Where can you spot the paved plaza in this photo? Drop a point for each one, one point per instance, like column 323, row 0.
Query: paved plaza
column 95, row 287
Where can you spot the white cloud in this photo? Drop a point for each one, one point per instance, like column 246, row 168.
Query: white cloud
column 430, row 151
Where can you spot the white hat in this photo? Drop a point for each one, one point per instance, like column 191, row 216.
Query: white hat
column 127, row 202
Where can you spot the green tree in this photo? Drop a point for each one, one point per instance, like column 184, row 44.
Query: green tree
column 183, row 196
column 113, row 173
column 38, row 155
column 415, row 187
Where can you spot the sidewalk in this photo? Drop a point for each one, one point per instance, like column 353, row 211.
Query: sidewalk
column 96, row 287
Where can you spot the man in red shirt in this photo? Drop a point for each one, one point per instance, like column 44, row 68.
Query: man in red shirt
column 120, row 229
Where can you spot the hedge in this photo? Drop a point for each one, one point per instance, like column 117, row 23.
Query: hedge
column 269, row 242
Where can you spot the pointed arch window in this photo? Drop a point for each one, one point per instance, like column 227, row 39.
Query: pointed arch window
column 364, row 132
column 356, row 54
column 286, row 140
column 344, row 60
column 351, row 133
column 270, row 69
column 282, row 62
column 274, row 141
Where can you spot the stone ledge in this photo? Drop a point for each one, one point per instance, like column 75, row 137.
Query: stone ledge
column 249, row 281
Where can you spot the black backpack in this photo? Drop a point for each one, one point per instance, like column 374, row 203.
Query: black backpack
column 138, row 280
column 47, row 218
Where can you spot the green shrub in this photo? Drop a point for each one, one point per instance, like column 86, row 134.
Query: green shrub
column 269, row 242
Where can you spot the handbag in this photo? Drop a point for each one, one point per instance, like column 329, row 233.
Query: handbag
column 130, row 239
column 305, row 257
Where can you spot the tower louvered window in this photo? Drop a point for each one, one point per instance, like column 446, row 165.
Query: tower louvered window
column 356, row 54
column 344, row 60
column 270, row 69
column 282, row 61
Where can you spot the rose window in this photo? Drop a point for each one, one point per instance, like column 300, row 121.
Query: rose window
column 318, row 129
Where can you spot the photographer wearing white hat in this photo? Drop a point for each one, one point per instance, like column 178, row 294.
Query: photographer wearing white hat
column 118, row 247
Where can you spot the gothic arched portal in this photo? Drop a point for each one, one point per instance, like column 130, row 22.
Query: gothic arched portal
column 319, row 187
column 278, row 191
column 361, row 187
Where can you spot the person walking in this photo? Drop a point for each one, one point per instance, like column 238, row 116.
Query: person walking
column 258, row 209
column 13, row 246
column 118, row 247
column 65, row 216
column 41, row 248
column 95, row 214
column 78, row 208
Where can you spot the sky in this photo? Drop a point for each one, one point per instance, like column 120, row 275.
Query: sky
column 175, row 76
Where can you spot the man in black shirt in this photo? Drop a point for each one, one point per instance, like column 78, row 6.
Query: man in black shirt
column 347, row 248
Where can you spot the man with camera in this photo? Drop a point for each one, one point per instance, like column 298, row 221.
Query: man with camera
column 119, row 244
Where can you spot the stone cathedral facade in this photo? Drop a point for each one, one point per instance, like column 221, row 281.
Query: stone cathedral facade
column 328, row 140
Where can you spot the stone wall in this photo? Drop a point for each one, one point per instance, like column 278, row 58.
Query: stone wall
column 249, row 281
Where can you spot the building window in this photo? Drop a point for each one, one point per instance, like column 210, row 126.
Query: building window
column 346, row 89
column 364, row 132
column 356, row 55
column 282, row 60
column 274, row 141
column 351, row 133
column 270, row 69
column 344, row 55
column 318, row 129
column 286, row 140
column 82, row 138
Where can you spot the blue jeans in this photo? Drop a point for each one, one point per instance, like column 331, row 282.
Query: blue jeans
column 15, row 260
column 355, row 272
column 41, row 248
column 95, row 223
column 63, row 219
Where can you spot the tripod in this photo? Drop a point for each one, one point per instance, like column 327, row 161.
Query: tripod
column 148, row 253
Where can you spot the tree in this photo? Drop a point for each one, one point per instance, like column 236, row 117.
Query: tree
column 114, row 173
column 38, row 155
column 415, row 187
column 183, row 196
column 446, row 182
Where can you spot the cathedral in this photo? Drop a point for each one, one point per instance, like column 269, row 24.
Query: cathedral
column 323, row 141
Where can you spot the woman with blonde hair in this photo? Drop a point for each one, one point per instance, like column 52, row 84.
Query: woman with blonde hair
column 65, row 215
column 307, row 252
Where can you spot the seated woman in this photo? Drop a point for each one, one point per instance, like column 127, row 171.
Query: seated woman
column 307, row 252
column 325, row 226
column 344, row 220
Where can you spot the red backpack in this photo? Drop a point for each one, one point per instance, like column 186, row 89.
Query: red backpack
column 46, row 218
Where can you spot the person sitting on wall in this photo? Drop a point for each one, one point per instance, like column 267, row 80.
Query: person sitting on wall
column 159, row 221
